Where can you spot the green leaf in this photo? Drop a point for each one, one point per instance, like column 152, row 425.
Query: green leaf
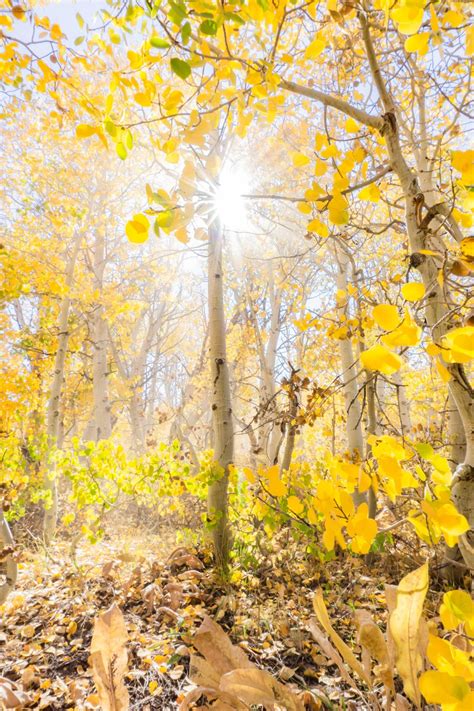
column 424, row 450
column 111, row 128
column 177, row 12
column 233, row 17
column 159, row 43
column 180, row 67
column 164, row 219
column 186, row 32
column 121, row 150
column 128, row 139
column 208, row 27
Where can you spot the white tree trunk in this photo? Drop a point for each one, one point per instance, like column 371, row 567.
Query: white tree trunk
column 222, row 426
column 355, row 437
column 100, row 425
column 53, row 415
column 436, row 310
column 403, row 407
column 8, row 566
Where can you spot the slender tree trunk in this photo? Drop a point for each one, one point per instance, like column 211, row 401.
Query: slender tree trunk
column 53, row 416
column 403, row 407
column 222, row 426
column 436, row 310
column 371, row 392
column 355, row 437
column 100, row 425
column 8, row 566
column 291, row 433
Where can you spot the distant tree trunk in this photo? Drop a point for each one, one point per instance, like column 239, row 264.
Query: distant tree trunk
column 290, row 433
column 355, row 437
column 8, row 566
column 222, row 426
column 53, row 415
column 100, row 424
column 371, row 392
column 269, row 435
column 403, row 407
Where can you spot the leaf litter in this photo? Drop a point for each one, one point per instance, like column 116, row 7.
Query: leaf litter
column 124, row 628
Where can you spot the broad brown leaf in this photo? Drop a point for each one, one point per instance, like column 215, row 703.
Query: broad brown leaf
column 109, row 659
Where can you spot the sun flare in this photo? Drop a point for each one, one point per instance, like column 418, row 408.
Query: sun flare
column 230, row 203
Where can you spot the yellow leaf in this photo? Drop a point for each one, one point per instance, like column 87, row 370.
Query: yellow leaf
column 362, row 529
column 338, row 210
column 467, row 248
column 300, row 160
column 320, row 168
column 371, row 193
column 137, row 229
column 152, row 686
column 408, row 19
column 304, row 207
column 418, row 43
column 351, row 126
column 413, row 291
column 453, row 18
column 341, row 646
column 142, row 98
column 275, row 486
column 318, row 227
column 451, row 692
column 432, row 349
column 317, row 46
column 450, row 659
column 443, row 372
column 406, row 334
column 470, row 41
column 463, row 161
column 249, row 475
column 182, row 235
column 404, row 626
column 382, row 359
column 458, row 345
column 295, row 505
column 386, row 316
column 457, row 607
column 84, row 130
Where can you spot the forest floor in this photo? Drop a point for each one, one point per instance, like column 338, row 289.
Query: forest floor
column 163, row 591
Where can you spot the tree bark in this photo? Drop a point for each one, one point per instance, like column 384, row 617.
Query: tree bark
column 403, row 407
column 222, row 425
column 436, row 310
column 100, row 425
column 53, row 415
column 8, row 566
column 355, row 437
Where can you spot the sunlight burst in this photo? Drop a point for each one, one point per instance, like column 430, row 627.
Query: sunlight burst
column 229, row 201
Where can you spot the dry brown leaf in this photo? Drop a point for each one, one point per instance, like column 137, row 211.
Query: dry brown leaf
column 109, row 659
column 215, row 646
column 330, row 652
column 202, row 673
column 347, row 653
column 371, row 639
column 223, row 701
column 404, row 626
column 257, row 687
column 252, row 686
column 11, row 696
